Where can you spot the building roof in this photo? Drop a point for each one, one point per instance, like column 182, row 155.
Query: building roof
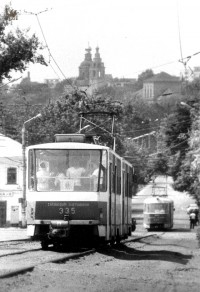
column 9, row 147
column 163, row 77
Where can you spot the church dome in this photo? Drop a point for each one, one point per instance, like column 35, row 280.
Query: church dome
column 88, row 58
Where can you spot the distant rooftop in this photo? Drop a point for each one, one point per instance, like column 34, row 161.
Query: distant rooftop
column 162, row 77
column 9, row 147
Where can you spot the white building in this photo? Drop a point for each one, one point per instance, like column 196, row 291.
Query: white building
column 11, row 175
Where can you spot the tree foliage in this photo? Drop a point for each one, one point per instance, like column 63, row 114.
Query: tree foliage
column 17, row 48
column 178, row 128
column 63, row 116
column 144, row 76
column 182, row 132
column 139, row 159
column 158, row 164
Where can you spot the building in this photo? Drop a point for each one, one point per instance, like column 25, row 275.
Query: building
column 124, row 82
column 51, row 83
column 11, row 179
column 160, row 85
column 92, row 72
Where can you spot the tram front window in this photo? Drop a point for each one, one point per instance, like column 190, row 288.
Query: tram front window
column 157, row 208
column 67, row 170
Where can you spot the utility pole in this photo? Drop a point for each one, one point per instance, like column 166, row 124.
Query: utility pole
column 2, row 125
column 23, row 201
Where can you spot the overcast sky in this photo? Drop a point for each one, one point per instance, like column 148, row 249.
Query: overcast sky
column 132, row 35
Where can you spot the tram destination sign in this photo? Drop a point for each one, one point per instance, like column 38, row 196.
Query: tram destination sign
column 56, row 210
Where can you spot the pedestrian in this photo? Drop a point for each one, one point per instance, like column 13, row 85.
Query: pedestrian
column 192, row 220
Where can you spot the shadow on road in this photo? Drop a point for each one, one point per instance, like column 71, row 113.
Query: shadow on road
column 181, row 230
column 123, row 252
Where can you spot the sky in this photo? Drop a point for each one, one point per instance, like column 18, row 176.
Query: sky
column 132, row 35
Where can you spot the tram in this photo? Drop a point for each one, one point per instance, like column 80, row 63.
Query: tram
column 77, row 191
column 158, row 213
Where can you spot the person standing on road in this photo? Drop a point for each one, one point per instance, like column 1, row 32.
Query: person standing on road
column 192, row 220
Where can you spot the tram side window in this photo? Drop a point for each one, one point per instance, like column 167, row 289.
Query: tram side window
column 130, row 183
column 31, row 179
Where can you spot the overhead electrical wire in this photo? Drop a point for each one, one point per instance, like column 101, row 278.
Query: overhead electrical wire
column 47, row 46
column 153, row 67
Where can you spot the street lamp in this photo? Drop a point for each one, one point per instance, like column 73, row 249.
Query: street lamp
column 23, row 202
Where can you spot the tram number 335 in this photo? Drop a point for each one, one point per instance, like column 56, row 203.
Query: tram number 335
column 67, row 211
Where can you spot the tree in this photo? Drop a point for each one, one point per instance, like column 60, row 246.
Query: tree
column 158, row 164
column 144, row 76
column 62, row 116
column 189, row 180
column 182, row 130
column 178, row 127
column 138, row 157
column 17, row 49
column 33, row 92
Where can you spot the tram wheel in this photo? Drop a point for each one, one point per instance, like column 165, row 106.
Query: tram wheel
column 44, row 245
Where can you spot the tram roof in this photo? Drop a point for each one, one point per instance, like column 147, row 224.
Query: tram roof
column 68, row 145
column 158, row 199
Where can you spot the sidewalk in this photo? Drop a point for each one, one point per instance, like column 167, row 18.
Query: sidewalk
column 13, row 233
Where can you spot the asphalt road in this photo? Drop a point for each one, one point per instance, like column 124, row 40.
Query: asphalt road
column 181, row 202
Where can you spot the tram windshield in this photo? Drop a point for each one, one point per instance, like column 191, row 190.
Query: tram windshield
column 157, row 208
column 67, row 170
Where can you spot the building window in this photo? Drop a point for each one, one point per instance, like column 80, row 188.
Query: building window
column 11, row 175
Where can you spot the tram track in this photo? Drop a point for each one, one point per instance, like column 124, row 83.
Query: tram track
column 36, row 257
column 11, row 268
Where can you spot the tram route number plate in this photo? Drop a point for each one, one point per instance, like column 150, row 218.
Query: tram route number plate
column 67, row 211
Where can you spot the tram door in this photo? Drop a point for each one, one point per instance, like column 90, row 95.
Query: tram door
column 127, row 198
column 123, row 203
column 112, row 200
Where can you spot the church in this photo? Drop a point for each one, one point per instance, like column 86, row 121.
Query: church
column 92, row 72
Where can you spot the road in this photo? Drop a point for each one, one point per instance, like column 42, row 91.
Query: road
column 181, row 202
column 147, row 261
